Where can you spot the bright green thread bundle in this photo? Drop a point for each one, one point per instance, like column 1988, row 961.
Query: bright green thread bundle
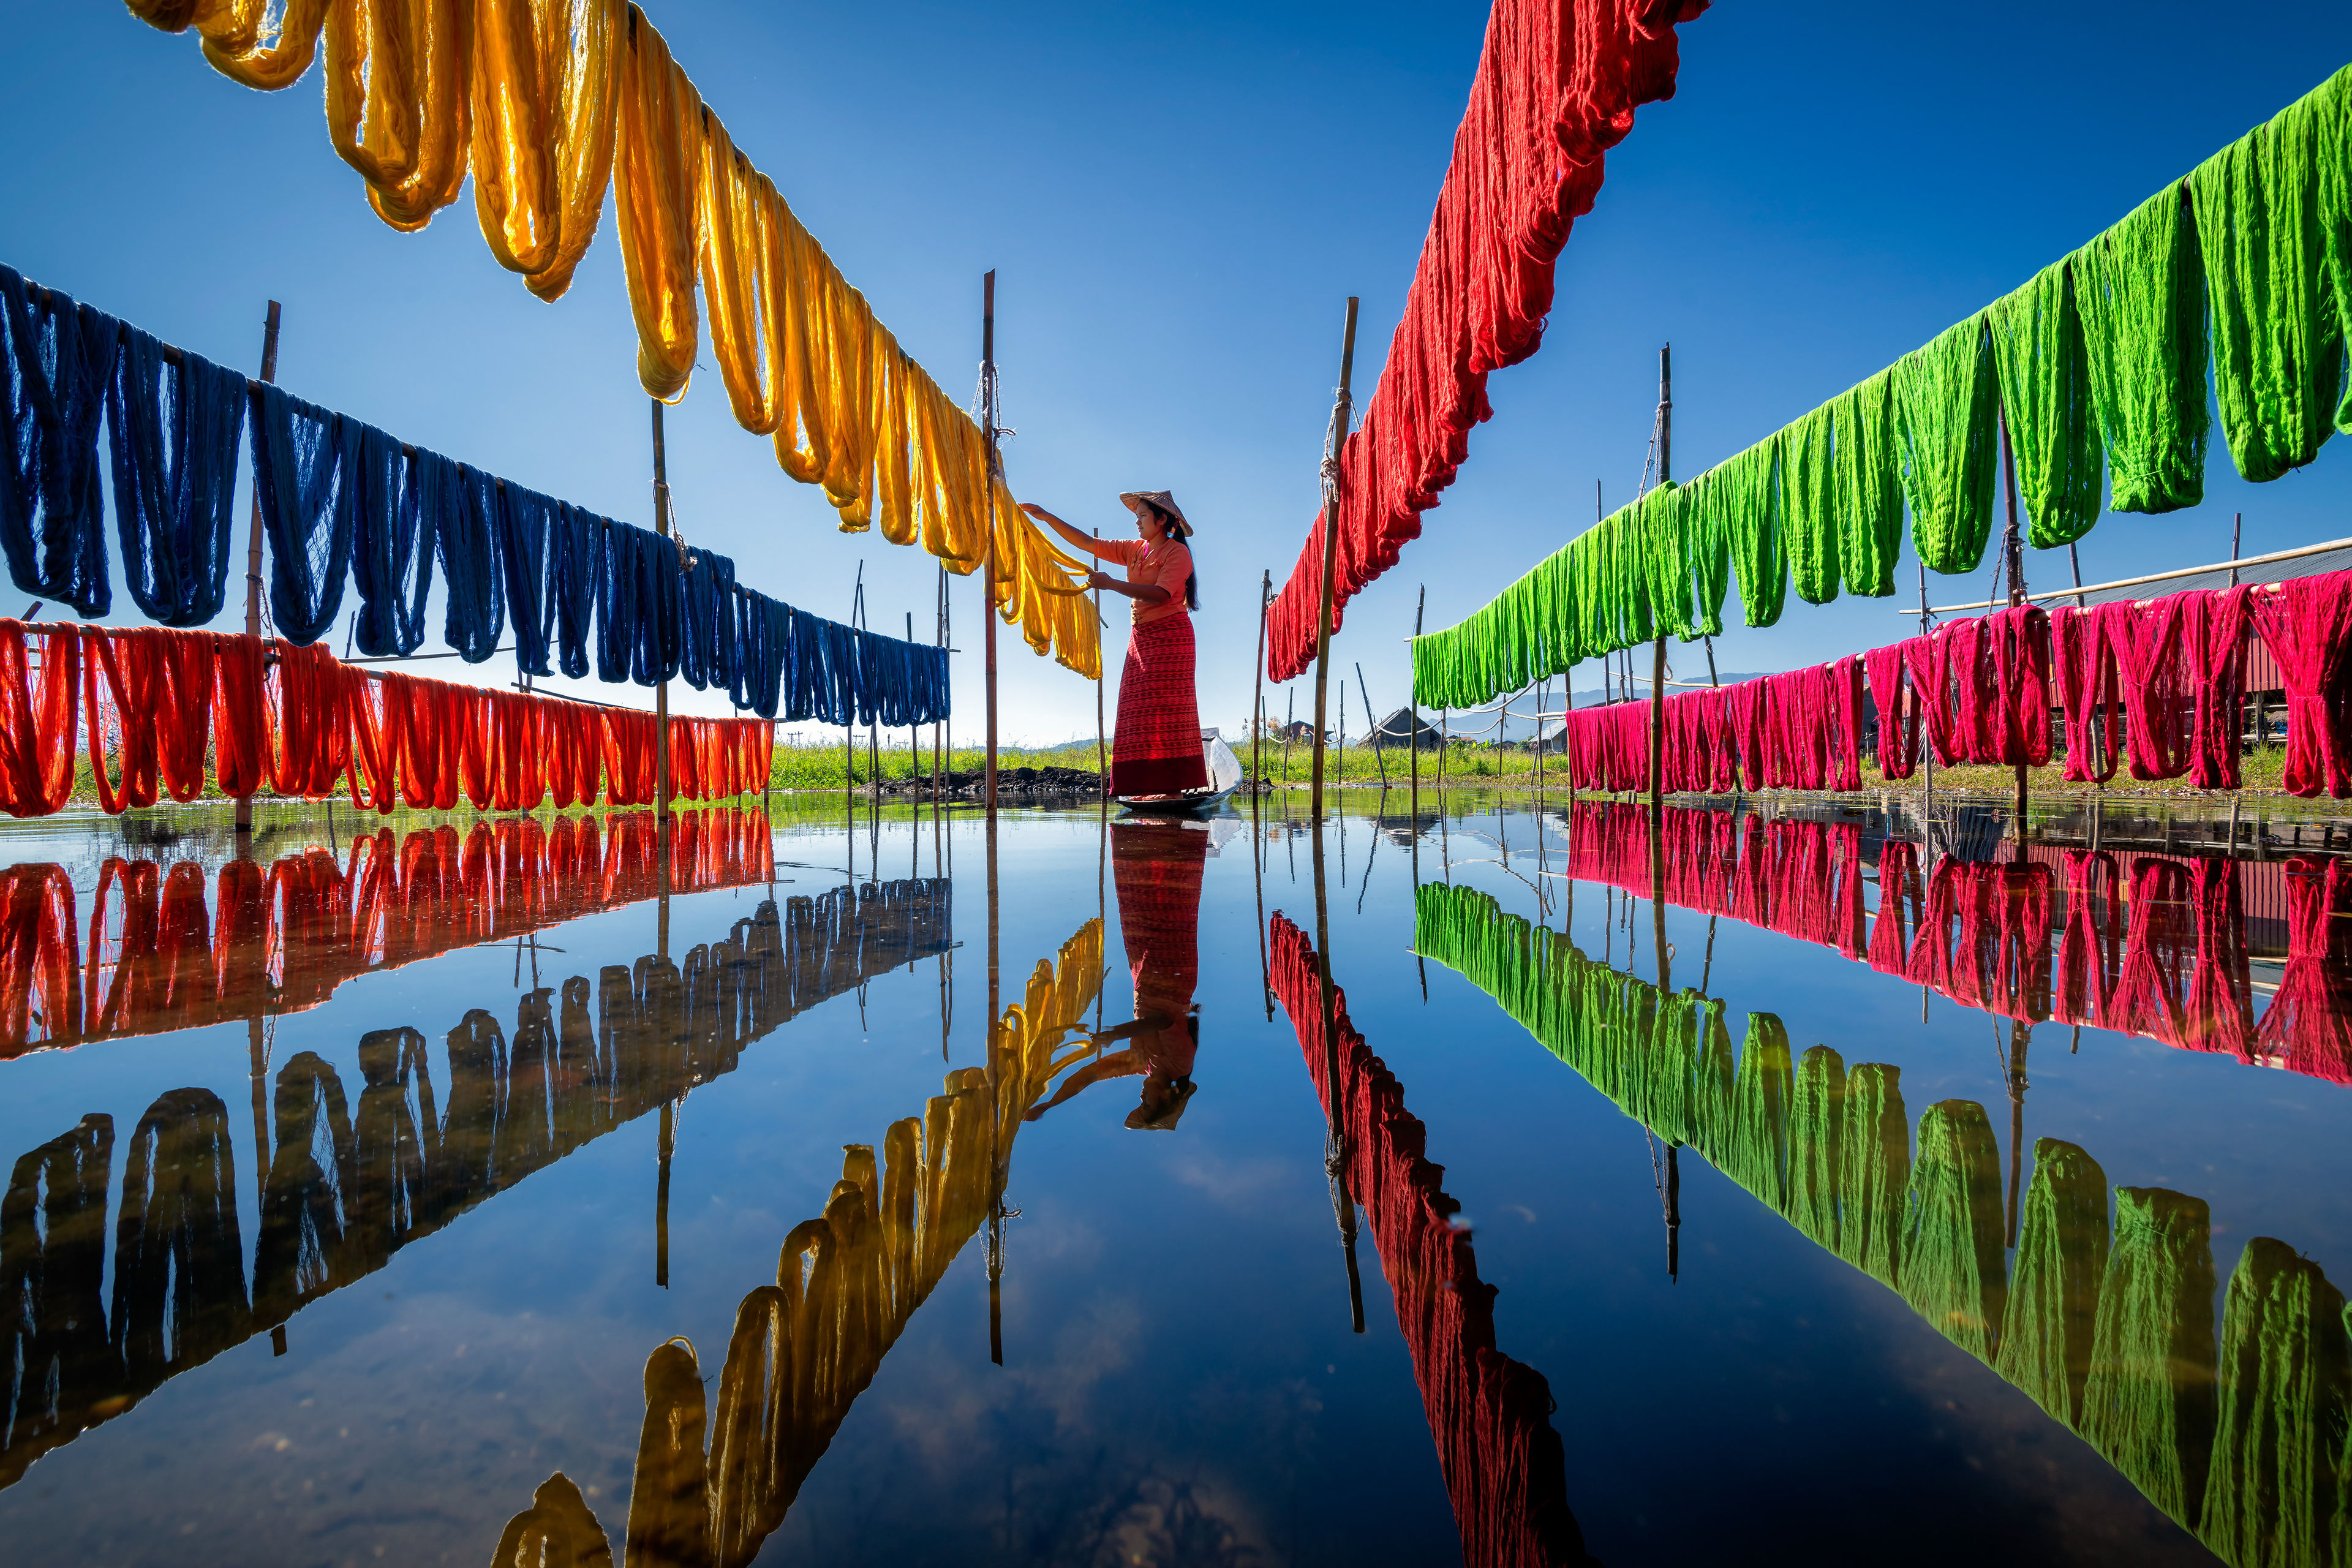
column 2100, row 360
column 2045, row 389
column 1744, row 491
column 1645, row 570
column 1808, row 524
column 2278, row 346
column 1867, row 489
column 1946, row 403
column 2139, row 292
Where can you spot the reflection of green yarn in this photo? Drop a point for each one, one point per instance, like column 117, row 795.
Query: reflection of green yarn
column 2278, row 1444
column 2148, row 1404
column 1816, row 1125
column 2053, row 1299
column 1875, row 1162
column 1756, row 1153
column 1954, row 1274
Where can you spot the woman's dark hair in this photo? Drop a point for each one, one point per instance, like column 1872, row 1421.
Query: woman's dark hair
column 1177, row 528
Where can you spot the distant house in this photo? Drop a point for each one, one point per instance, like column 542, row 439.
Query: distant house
column 1298, row 729
column 1405, row 728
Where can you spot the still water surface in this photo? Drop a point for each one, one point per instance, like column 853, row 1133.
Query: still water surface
column 450, row 1194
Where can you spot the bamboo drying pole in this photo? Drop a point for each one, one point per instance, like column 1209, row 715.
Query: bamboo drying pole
column 1102, row 751
column 1658, row 680
column 995, row 1258
column 1334, row 443
column 2013, row 551
column 1257, row 697
column 661, row 691
column 988, row 558
column 252, row 567
column 1379, row 755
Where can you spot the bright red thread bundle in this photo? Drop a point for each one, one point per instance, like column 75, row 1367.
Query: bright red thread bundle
column 2159, row 684
column 1558, row 83
column 163, row 709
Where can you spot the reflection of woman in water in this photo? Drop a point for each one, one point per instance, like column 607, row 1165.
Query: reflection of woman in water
column 1156, row 747
column 1157, row 866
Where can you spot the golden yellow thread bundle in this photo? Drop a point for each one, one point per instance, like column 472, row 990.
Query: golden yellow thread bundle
column 550, row 103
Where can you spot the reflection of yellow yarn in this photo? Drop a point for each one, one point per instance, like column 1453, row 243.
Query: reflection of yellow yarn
column 552, row 101
column 848, row 1282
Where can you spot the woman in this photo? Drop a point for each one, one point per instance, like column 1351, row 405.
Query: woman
column 1156, row 751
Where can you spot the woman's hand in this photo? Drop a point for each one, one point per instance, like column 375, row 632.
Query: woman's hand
column 1040, row 513
column 1105, row 580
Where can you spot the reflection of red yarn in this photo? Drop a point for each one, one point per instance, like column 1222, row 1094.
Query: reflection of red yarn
column 1981, row 932
column 298, row 721
column 281, row 939
column 1491, row 1415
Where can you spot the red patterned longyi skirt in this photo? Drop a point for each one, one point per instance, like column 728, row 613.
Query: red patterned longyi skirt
column 1157, row 747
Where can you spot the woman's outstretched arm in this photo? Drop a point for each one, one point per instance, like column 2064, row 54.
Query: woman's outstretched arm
column 1086, row 542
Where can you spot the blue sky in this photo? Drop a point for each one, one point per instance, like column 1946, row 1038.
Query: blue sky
column 1176, row 199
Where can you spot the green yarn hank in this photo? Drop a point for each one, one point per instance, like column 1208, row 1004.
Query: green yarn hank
column 2278, row 344
column 1867, row 486
column 1945, row 410
column 1808, row 524
column 1746, row 492
column 2045, row 392
column 2139, row 293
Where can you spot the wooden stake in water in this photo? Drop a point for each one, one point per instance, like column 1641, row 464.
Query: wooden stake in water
column 1343, row 411
column 1412, row 757
column 253, row 559
column 1377, row 755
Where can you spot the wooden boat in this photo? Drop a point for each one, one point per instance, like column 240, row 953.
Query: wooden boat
column 1224, row 777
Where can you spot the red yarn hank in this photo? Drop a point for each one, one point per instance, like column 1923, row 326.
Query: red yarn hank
column 298, row 721
column 2307, row 626
column 2083, row 666
column 38, row 723
column 2159, row 705
column 1898, row 713
column 1557, row 85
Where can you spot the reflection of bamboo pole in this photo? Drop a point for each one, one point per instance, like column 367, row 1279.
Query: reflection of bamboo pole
column 2020, row 1034
column 1335, row 1136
